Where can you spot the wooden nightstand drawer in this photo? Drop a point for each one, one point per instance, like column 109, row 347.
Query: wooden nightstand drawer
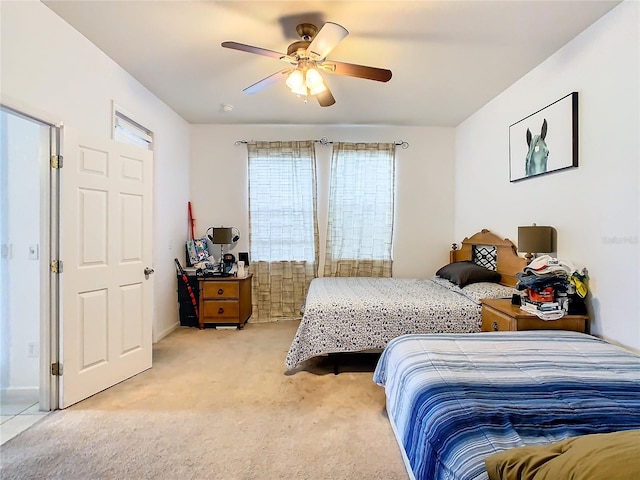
column 494, row 321
column 223, row 309
column 215, row 289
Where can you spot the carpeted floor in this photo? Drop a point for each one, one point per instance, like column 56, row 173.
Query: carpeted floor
column 217, row 404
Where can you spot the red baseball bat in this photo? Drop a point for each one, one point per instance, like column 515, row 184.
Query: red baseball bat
column 191, row 222
column 186, row 282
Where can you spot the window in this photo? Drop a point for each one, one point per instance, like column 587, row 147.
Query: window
column 361, row 209
column 282, row 201
column 283, row 231
column 126, row 130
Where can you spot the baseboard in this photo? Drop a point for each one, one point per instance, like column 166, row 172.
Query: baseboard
column 166, row 332
column 614, row 342
column 19, row 394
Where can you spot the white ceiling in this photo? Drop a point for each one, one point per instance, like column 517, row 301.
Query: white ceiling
column 448, row 58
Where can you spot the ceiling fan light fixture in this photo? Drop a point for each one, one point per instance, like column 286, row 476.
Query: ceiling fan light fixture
column 319, row 89
column 305, row 82
column 302, row 91
column 314, row 81
column 295, row 80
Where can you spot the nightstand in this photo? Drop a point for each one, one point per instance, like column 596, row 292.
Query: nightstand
column 225, row 300
column 500, row 315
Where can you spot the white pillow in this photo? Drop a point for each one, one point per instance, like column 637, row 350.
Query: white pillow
column 446, row 283
column 477, row 291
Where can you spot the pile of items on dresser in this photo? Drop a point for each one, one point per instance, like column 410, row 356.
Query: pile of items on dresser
column 552, row 288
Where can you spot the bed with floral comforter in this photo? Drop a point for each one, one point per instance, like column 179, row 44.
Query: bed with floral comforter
column 363, row 313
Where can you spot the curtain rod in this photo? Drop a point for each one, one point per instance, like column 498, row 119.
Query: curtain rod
column 325, row 141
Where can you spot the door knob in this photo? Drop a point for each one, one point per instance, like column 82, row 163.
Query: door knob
column 148, row 271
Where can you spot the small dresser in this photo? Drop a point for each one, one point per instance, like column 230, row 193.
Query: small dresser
column 500, row 315
column 225, row 301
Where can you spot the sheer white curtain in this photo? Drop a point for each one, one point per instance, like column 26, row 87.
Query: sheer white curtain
column 361, row 206
column 283, row 226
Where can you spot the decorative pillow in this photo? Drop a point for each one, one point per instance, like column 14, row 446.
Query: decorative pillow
column 477, row 291
column 466, row 272
column 599, row 456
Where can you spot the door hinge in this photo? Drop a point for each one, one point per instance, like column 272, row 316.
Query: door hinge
column 56, row 266
column 56, row 161
column 56, row 369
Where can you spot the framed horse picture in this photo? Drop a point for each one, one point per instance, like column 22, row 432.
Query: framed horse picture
column 545, row 141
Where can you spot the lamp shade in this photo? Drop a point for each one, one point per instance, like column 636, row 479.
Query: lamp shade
column 314, row 81
column 222, row 235
column 295, row 81
column 536, row 239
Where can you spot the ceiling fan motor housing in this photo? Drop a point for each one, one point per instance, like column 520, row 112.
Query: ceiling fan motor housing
column 306, row 31
column 298, row 49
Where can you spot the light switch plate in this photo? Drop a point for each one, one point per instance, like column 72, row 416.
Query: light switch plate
column 34, row 252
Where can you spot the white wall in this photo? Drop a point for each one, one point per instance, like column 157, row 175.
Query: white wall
column 49, row 69
column 424, row 184
column 595, row 208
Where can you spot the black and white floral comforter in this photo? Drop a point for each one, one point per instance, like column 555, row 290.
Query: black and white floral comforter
column 362, row 313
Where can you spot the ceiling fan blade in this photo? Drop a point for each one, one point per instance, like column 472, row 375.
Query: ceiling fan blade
column 265, row 82
column 259, row 51
column 325, row 40
column 325, row 98
column 360, row 71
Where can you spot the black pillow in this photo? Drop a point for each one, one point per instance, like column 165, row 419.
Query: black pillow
column 466, row 272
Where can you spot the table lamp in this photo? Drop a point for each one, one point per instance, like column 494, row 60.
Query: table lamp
column 221, row 236
column 536, row 239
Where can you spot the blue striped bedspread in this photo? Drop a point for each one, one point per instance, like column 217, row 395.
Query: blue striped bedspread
column 454, row 399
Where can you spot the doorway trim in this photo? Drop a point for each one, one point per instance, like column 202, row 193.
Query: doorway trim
column 49, row 182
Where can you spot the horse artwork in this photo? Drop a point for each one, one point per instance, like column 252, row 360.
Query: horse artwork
column 553, row 149
column 536, row 160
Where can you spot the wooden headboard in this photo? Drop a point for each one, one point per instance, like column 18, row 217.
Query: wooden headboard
column 508, row 262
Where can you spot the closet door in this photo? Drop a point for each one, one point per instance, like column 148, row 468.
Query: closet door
column 106, row 283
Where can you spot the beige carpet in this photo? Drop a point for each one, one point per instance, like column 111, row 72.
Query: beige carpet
column 218, row 405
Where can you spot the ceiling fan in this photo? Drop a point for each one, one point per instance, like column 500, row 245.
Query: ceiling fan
column 308, row 57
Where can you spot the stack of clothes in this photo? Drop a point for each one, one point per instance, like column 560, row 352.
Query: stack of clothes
column 546, row 281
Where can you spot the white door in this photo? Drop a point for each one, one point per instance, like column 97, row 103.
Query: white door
column 105, row 234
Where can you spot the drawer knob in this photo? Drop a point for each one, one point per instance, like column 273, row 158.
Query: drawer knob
column 220, row 291
column 494, row 326
column 221, row 310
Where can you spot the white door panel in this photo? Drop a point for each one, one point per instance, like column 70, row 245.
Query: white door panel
column 106, row 311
